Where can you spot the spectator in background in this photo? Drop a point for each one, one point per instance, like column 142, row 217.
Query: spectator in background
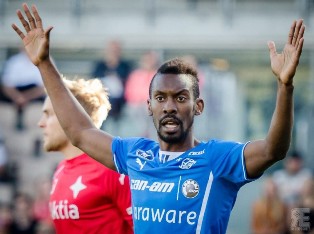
column 3, row 161
column 45, row 227
column 41, row 200
column 113, row 71
column 269, row 212
column 23, row 221
column 136, row 89
column 21, row 84
column 5, row 217
column 291, row 178
column 86, row 197
column 8, row 174
column 307, row 201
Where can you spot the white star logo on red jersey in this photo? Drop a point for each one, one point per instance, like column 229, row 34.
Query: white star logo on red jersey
column 77, row 187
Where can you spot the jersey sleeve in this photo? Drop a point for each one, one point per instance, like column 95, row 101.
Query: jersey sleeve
column 120, row 150
column 122, row 196
column 229, row 162
column 116, row 187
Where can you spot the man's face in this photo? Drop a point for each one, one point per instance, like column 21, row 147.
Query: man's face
column 293, row 165
column 172, row 107
column 53, row 134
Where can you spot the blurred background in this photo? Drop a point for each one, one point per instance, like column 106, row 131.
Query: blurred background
column 227, row 41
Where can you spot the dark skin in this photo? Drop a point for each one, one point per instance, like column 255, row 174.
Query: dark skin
column 173, row 109
column 259, row 154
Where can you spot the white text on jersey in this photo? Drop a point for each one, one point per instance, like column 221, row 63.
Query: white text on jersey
column 63, row 210
column 154, row 187
column 160, row 215
column 197, row 153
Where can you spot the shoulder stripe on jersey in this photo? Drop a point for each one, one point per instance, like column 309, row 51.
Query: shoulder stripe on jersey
column 116, row 165
column 179, row 186
column 58, row 171
column 204, row 203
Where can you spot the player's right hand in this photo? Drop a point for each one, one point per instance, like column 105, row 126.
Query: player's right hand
column 35, row 39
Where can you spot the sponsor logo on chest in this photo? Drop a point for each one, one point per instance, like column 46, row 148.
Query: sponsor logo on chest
column 63, row 210
column 161, row 187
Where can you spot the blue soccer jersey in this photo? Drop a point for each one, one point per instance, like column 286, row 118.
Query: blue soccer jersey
column 193, row 193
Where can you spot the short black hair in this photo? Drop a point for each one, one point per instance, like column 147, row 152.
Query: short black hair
column 178, row 66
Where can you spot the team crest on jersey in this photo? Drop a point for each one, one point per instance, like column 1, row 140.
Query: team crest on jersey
column 187, row 163
column 148, row 155
column 190, row 188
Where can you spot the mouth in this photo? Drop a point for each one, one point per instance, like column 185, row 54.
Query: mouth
column 170, row 124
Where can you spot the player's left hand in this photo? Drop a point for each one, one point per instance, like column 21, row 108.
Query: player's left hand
column 284, row 64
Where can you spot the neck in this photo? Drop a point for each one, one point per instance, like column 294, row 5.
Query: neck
column 71, row 152
column 183, row 146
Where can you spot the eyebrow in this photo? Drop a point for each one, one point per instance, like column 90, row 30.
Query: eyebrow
column 175, row 93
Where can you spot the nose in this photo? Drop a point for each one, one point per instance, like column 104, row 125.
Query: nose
column 170, row 106
column 41, row 122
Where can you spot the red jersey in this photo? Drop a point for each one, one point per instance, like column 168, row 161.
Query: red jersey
column 86, row 197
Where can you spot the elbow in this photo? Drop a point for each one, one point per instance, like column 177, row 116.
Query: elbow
column 280, row 156
column 277, row 155
column 276, row 150
column 76, row 141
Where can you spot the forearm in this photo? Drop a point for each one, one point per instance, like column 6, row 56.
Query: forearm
column 279, row 134
column 71, row 115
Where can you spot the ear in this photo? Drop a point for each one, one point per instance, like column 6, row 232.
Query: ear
column 199, row 106
column 150, row 112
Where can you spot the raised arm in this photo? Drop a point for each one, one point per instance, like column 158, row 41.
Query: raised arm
column 259, row 155
column 74, row 120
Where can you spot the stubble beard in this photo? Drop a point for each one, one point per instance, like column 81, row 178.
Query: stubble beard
column 172, row 138
column 54, row 147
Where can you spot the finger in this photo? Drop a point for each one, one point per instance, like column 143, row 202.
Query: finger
column 23, row 21
column 272, row 49
column 37, row 17
column 291, row 32
column 300, row 47
column 296, row 32
column 301, row 33
column 18, row 31
column 30, row 18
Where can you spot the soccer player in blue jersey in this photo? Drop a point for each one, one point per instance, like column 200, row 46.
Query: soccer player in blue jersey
column 179, row 184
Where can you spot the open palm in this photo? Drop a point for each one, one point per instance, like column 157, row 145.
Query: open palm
column 36, row 40
column 284, row 65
